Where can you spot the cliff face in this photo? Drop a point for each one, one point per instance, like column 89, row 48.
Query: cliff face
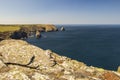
column 41, row 28
column 24, row 30
column 49, row 28
column 5, row 35
column 22, row 61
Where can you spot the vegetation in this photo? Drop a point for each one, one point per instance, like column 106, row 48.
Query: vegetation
column 8, row 28
column 24, row 30
column 41, row 27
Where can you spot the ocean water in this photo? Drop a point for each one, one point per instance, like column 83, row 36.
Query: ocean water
column 95, row 45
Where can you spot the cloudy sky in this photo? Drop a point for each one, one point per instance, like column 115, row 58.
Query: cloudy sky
column 60, row 11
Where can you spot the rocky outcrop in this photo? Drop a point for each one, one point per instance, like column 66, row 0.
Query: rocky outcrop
column 19, row 35
column 49, row 28
column 38, row 35
column 62, row 29
column 5, row 35
column 41, row 28
column 22, row 61
column 118, row 69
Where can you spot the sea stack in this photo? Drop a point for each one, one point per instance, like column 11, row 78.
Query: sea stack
column 38, row 35
column 62, row 29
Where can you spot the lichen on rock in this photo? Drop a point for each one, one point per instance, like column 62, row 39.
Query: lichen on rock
column 20, row 60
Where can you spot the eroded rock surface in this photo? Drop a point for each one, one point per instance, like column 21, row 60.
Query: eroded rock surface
column 22, row 61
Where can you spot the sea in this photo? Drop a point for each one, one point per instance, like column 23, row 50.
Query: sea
column 95, row 45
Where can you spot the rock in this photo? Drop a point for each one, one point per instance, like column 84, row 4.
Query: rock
column 118, row 69
column 19, row 35
column 2, row 64
column 1, row 39
column 25, row 31
column 38, row 35
column 38, row 76
column 62, row 29
column 110, row 76
column 20, row 60
column 22, row 53
column 49, row 28
column 39, row 27
column 5, row 35
column 14, row 75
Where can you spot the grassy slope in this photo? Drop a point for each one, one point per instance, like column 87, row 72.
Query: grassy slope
column 9, row 28
column 4, row 28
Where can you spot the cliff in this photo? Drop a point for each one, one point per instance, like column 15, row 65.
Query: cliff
column 20, row 60
column 39, row 27
column 5, row 35
column 21, row 31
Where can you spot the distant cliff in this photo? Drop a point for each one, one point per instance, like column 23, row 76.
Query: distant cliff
column 39, row 27
column 23, row 31
column 20, row 60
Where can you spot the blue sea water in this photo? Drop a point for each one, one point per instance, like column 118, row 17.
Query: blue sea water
column 95, row 45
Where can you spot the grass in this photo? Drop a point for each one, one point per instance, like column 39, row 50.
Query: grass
column 9, row 28
column 5, row 28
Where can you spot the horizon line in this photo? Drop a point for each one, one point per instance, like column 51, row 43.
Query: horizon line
column 56, row 24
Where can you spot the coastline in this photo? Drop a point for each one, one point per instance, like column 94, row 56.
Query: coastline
column 8, row 30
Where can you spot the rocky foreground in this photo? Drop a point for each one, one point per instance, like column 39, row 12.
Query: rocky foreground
column 20, row 60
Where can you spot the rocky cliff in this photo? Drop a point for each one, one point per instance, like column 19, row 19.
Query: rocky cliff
column 39, row 27
column 20, row 60
column 23, row 31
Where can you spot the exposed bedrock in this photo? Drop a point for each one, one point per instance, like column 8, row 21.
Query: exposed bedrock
column 20, row 60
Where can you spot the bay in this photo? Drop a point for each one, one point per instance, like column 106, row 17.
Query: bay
column 95, row 45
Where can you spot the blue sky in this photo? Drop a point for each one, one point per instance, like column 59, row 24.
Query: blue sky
column 60, row 11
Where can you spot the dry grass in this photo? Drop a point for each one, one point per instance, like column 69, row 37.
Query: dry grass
column 9, row 28
column 4, row 28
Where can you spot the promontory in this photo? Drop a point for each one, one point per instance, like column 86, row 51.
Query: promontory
column 24, row 30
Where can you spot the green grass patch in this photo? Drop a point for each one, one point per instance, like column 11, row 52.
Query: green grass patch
column 9, row 28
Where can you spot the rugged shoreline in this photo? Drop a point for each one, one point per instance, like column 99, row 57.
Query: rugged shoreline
column 24, row 31
column 23, row 61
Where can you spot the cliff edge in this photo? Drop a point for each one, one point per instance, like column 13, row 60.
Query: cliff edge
column 20, row 60
column 23, row 31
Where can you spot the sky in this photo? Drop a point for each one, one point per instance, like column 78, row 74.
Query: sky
column 59, row 11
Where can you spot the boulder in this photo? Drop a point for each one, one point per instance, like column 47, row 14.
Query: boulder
column 38, row 35
column 62, row 29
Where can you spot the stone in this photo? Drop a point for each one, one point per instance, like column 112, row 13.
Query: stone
column 62, row 29
column 20, row 60
column 118, row 69
column 38, row 76
column 14, row 75
column 110, row 76
column 38, row 35
column 22, row 53
column 2, row 64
